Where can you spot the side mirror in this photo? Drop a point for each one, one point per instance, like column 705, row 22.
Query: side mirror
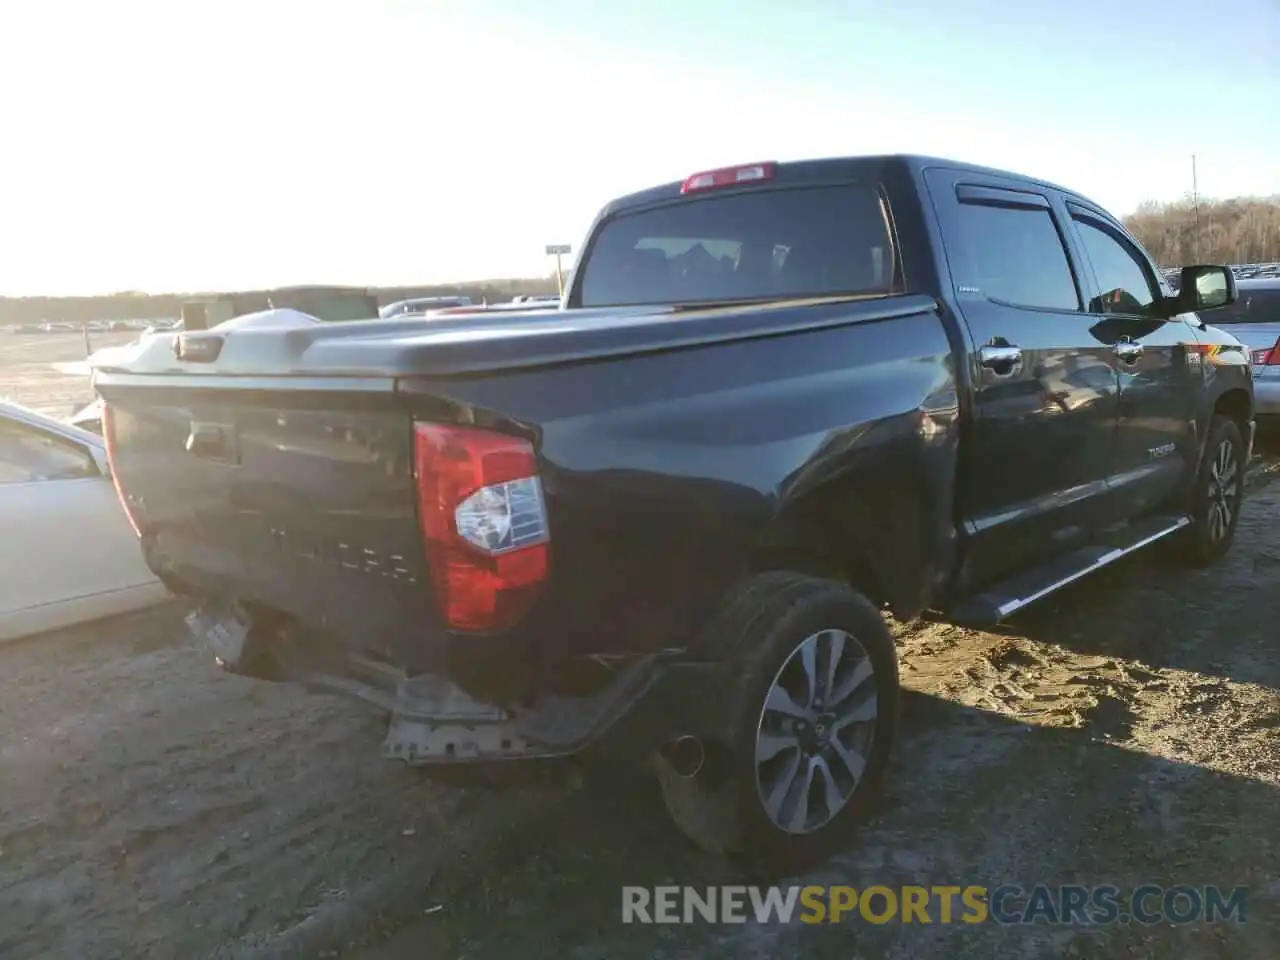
column 1205, row 288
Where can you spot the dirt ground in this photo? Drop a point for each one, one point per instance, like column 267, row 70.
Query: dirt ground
column 36, row 369
column 1126, row 731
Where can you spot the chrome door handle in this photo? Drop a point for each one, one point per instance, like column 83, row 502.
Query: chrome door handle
column 1002, row 359
column 1128, row 350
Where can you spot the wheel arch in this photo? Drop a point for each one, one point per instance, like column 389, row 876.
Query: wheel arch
column 884, row 531
column 1236, row 403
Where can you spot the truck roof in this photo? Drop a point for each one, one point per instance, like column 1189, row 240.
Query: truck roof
column 841, row 167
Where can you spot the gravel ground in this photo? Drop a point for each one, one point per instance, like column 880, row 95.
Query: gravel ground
column 1125, row 731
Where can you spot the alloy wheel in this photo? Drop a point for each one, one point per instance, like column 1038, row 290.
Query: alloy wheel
column 815, row 731
column 1224, row 490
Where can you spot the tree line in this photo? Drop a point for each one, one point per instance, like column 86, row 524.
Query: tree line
column 1236, row 231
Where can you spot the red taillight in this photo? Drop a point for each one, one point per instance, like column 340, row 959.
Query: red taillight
column 1266, row 358
column 109, row 436
column 484, row 522
column 728, row 176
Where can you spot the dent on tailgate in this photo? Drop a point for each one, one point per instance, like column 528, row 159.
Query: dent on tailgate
column 308, row 510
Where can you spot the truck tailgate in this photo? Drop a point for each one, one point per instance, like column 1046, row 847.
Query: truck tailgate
column 301, row 500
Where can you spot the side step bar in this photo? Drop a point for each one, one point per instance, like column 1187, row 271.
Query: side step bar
column 1001, row 601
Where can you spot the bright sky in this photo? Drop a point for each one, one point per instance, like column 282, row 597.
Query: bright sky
column 212, row 144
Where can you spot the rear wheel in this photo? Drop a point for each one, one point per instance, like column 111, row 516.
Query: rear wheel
column 1218, row 494
column 807, row 730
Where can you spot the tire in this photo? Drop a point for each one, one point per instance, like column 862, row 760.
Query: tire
column 767, row 625
column 1210, row 535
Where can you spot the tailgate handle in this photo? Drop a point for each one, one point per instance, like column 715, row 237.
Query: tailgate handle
column 212, row 441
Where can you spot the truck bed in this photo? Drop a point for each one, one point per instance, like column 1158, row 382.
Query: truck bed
column 279, row 473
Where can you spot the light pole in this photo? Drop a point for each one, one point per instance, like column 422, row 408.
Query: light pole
column 1195, row 206
column 558, row 250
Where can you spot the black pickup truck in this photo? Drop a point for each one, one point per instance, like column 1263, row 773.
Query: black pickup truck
column 664, row 520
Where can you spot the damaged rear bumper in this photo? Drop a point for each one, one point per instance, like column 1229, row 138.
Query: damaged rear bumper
column 646, row 701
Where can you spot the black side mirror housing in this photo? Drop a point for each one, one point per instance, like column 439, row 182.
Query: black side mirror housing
column 1201, row 287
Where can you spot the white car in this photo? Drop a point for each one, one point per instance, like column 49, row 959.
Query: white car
column 67, row 551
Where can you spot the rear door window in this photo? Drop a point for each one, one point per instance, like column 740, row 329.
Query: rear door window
column 763, row 244
column 1015, row 255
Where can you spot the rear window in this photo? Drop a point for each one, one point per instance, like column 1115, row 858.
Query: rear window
column 766, row 244
column 1251, row 306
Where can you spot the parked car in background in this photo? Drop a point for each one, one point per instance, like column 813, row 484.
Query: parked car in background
column 67, row 551
column 1252, row 271
column 664, row 519
column 1255, row 320
column 496, row 309
column 402, row 308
